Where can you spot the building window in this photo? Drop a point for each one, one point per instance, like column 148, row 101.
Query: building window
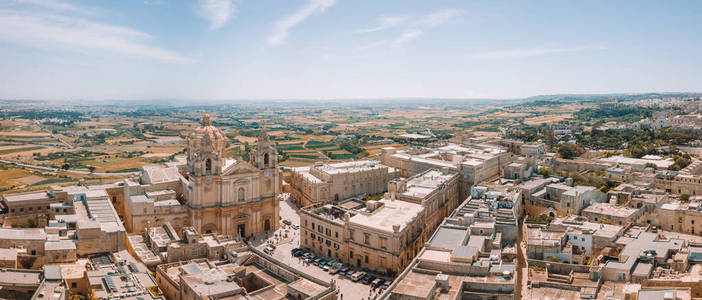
column 337, row 234
column 366, row 238
column 312, row 235
column 328, row 243
column 241, row 194
column 350, row 254
column 320, row 239
column 328, row 232
column 336, row 246
column 366, row 258
column 351, row 233
column 312, row 225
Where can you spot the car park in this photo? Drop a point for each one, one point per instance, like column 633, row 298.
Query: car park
column 336, row 268
column 358, row 276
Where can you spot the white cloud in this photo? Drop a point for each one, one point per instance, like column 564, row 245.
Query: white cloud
column 51, row 32
column 411, row 27
column 283, row 26
column 52, row 4
column 217, row 12
column 386, row 23
column 530, row 52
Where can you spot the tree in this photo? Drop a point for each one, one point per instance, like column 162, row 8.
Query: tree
column 684, row 197
column 65, row 166
column 569, row 151
column 91, row 169
column 544, row 171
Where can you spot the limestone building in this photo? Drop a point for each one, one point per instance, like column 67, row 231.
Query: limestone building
column 339, row 181
column 226, row 195
column 476, row 163
column 383, row 235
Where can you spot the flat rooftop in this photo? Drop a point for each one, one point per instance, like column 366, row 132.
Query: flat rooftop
column 392, row 212
column 424, row 184
column 610, row 210
column 350, row 166
column 26, row 197
column 448, row 237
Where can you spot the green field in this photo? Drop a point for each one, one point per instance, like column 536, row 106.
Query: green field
column 307, row 156
column 6, row 151
column 54, row 180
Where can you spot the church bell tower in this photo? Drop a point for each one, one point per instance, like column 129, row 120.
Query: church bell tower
column 264, row 156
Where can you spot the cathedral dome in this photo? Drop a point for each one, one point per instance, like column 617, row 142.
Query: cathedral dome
column 207, row 129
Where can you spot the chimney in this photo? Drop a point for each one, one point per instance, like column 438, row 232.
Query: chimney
column 442, row 282
column 396, row 228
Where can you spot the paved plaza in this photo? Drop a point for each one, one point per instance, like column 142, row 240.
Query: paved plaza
column 349, row 289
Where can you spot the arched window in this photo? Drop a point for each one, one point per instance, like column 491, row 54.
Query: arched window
column 241, row 194
column 208, row 165
column 265, row 159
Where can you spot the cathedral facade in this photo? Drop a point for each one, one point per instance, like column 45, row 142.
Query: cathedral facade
column 230, row 196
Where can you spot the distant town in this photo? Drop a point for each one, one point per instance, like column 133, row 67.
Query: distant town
column 556, row 197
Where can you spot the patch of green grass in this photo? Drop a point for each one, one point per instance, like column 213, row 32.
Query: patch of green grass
column 54, row 180
column 135, row 169
column 307, row 156
column 320, row 146
column 6, row 151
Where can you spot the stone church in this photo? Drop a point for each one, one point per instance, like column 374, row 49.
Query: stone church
column 226, row 195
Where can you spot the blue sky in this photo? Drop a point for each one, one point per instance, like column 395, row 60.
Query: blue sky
column 338, row 49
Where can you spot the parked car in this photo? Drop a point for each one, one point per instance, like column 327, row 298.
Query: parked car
column 377, row 282
column 344, row 270
column 295, row 226
column 349, row 273
column 269, row 250
column 386, row 285
column 316, row 261
column 321, row 263
column 357, row 276
column 368, row 279
column 287, row 222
